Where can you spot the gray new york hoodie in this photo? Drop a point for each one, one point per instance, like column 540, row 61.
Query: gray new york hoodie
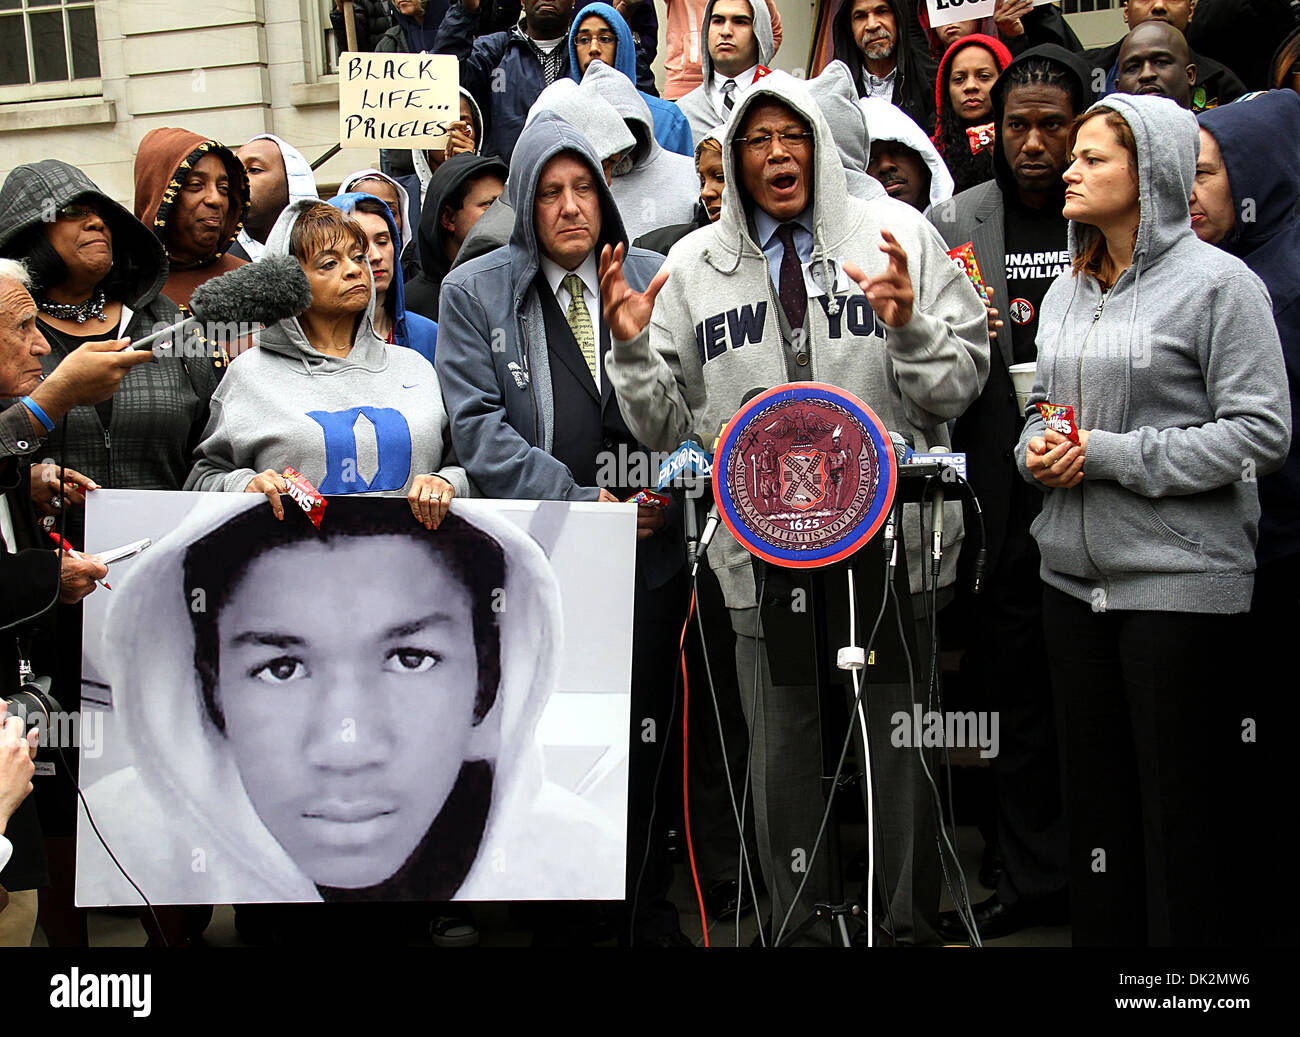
column 369, row 422
column 1178, row 374
column 716, row 332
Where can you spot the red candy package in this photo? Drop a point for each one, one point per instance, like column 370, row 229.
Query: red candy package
column 305, row 495
column 980, row 137
column 1060, row 418
column 964, row 257
column 649, row 498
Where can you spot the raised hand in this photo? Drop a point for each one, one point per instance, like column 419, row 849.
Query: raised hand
column 890, row 294
column 1007, row 16
column 626, row 310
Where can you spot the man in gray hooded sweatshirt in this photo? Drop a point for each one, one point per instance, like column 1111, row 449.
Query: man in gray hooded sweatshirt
column 915, row 349
column 519, row 347
column 653, row 187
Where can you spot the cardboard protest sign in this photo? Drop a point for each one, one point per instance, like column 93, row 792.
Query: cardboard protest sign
column 397, row 100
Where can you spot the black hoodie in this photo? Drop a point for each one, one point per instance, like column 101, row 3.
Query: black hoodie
column 423, row 291
column 161, row 408
column 914, row 82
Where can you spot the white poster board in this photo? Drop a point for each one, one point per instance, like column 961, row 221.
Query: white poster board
column 945, row 12
column 397, row 100
column 369, row 711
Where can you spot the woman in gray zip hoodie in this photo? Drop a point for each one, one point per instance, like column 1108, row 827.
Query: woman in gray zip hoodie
column 353, row 418
column 1167, row 351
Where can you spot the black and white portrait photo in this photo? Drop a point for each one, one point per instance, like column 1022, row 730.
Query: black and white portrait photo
column 368, row 711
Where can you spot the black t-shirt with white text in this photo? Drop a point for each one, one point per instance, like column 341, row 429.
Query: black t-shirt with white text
column 1037, row 252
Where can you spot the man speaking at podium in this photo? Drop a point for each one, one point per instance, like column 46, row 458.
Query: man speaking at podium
column 738, row 307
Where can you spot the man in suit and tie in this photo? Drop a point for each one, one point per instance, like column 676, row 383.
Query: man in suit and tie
column 521, row 345
column 1015, row 225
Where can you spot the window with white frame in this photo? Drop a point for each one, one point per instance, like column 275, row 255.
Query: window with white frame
column 47, row 41
column 330, row 47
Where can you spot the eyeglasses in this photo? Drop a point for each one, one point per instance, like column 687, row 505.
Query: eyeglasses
column 77, row 212
column 760, row 144
column 605, row 39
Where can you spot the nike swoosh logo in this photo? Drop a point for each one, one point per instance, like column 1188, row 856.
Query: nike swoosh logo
column 410, row 386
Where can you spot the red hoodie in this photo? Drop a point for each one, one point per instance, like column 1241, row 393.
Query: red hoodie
column 1001, row 57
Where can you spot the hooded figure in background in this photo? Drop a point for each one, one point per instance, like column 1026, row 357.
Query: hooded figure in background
column 1265, row 182
column 587, row 112
column 965, row 138
column 157, row 415
column 408, row 329
column 914, row 71
column 292, row 181
column 192, row 192
column 1269, row 180
column 288, row 404
column 671, row 128
column 453, row 178
column 404, row 205
column 442, row 795
column 890, row 128
column 420, row 158
column 708, row 166
column 838, row 100
column 652, row 187
column 704, row 106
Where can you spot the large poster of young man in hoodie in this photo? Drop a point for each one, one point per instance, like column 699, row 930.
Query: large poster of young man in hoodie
column 368, row 711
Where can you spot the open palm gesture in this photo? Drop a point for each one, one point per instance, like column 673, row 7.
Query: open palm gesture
column 626, row 310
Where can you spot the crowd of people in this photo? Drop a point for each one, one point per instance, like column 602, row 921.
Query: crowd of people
column 590, row 268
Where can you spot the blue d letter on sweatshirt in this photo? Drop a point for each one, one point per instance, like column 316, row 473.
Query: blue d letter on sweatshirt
column 392, row 438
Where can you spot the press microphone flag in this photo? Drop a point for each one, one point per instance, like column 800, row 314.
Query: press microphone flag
column 272, row 289
column 690, row 460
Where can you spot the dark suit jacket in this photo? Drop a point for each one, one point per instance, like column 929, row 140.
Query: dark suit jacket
column 28, row 582
column 587, row 425
column 990, row 428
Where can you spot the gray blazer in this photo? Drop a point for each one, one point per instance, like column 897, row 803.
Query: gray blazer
column 976, row 215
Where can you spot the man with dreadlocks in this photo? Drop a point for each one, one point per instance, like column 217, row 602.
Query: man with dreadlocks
column 1015, row 226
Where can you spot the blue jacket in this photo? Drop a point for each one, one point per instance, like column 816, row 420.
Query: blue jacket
column 409, row 329
column 1266, row 183
column 493, row 360
column 672, row 130
column 504, row 96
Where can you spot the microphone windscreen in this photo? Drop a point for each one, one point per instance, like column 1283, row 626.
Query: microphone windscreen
column 272, row 289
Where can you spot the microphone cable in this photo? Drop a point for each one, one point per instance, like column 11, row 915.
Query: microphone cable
column 930, row 598
column 839, row 767
column 678, row 673
column 744, row 868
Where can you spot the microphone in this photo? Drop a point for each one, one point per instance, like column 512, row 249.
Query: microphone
column 689, row 460
column 936, row 520
column 272, row 289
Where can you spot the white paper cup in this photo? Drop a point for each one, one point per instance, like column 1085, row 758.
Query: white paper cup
column 1022, row 377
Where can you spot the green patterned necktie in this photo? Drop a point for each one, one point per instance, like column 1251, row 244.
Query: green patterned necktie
column 580, row 322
